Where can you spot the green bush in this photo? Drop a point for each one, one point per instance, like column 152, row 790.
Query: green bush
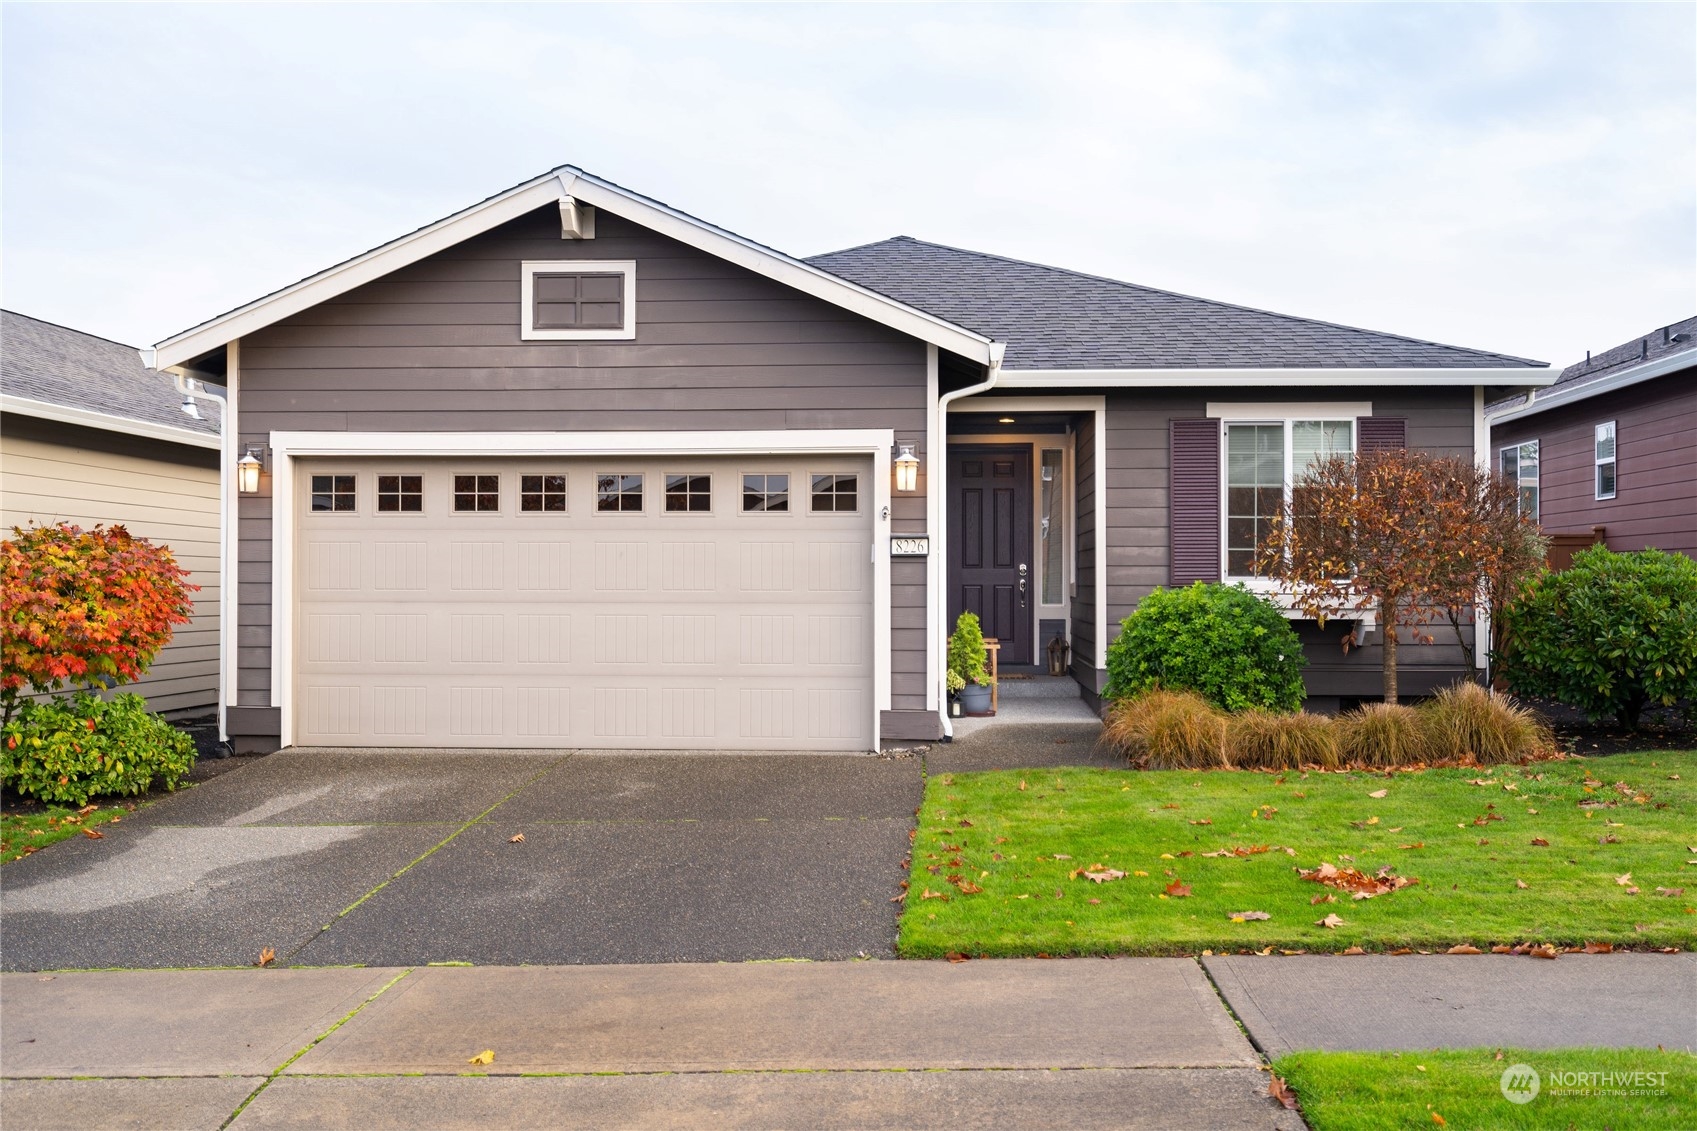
column 1610, row 635
column 1222, row 641
column 966, row 650
column 75, row 747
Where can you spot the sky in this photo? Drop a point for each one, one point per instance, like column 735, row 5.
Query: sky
column 1519, row 178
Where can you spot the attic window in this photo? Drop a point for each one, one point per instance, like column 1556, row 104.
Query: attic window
column 578, row 300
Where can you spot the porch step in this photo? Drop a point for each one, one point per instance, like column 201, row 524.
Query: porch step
column 1038, row 687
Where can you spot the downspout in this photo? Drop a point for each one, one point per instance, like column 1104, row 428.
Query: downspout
column 993, row 372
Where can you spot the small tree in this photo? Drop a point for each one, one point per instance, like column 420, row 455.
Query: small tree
column 967, row 653
column 83, row 607
column 1418, row 536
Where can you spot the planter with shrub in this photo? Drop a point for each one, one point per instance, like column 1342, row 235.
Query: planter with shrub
column 1228, row 645
column 969, row 664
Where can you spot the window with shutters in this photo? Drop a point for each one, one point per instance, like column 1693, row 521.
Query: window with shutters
column 1265, row 462
column 578, row 300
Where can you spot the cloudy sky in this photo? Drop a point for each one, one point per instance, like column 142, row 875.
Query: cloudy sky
column 1518, row 178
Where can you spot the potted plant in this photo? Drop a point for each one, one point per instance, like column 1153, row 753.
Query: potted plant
column 967, row 664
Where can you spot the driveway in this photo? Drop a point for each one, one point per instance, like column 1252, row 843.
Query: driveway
column 402, row 859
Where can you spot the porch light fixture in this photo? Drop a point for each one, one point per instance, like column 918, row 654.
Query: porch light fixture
column 247, row 471
column 1004, row 420
column 907, row 469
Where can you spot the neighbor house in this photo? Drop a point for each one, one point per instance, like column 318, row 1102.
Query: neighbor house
column 573, row 468
column 88, row 435
column 1608, row 453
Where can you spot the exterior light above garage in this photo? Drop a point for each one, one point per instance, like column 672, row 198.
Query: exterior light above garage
column 247, row 472
column 907, row 469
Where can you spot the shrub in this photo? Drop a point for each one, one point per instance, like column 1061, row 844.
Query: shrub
column 83, row 607
column 1168, row 730
column 1609, row 635
column 1264, row 740
column 1382, row 734
column 1222, row 641
column 71, row 748
column 966, row 650
column 1468, row 720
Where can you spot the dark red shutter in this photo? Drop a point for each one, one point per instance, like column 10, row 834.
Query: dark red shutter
column 1381, row 434
column 1194, row 482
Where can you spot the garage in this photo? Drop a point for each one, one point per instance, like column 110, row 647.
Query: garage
column 629, row 603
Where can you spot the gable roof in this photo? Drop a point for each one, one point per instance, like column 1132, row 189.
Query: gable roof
column 1056, row 319
column 568, row 183
column 1666, row 349
column 57, row 373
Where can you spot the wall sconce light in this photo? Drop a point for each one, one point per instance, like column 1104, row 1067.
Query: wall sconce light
column 247, row 471
column 907, row 469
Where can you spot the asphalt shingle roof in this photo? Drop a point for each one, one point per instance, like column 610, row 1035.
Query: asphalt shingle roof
column 1052, row 318
column 42, row 361
column 1664, row 341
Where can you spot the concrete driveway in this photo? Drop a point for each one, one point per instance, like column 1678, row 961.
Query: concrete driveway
column 401, row 859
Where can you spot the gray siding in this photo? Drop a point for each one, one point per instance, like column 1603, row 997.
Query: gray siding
column 436, row 347
column 1655, row 501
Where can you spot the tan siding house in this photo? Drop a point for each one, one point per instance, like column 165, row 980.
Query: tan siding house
column 89, row 436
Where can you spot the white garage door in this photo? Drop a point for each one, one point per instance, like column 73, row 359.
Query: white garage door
column 676, row 604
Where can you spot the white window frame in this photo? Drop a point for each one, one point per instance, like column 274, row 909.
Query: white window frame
column 1598, row 461
column 530, row 268
column 1538, row 505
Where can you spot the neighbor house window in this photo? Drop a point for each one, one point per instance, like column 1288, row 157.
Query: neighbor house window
column 1520, row 467
column 836, row 493
column 618, row 492
column 542, row 493
column 332, row 492
column 685, row 493
column 766, row 492
column 1605, row 456
column 477, row 492
column 400, row 493
column 578, row 299
column 1263, row 461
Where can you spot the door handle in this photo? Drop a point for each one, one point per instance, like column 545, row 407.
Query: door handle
column 1023, row 571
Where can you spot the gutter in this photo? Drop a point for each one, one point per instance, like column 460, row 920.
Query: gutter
column 994, row 371
column 65, row 414
column 1554, row 398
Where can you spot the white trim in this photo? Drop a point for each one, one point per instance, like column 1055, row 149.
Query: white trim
column 936, row 482
column 564, row 183
column 229, row 537
column 1598, row 461
column 1032, row 404
column 106, row 422
column 1274, row 411
column 1220, row 378
column 287, row 447
column 1637, row 374
column 530, row 268
column 1100, row 491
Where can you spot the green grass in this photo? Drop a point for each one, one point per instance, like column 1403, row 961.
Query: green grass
column 1379, row 1091
column 24, row 833
column 987, row 830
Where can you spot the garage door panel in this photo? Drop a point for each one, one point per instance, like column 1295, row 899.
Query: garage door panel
column 636, row 629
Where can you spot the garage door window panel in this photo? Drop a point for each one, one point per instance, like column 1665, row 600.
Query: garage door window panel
column 766, row 494
column 334, row 494
column 400, row 494
column 689, row 494
column 542, row 494
column 477, row 493
column 836, row 494
column 618, row 493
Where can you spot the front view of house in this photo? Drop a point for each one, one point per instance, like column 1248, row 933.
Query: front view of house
column 571, row 468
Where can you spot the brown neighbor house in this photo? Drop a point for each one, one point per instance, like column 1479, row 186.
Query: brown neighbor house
column 1609, row 452
column 571, row 468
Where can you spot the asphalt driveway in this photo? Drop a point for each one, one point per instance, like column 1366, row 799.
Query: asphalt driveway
column 400, row 859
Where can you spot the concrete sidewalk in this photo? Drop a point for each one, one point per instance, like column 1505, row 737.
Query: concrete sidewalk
column 1090, row 1043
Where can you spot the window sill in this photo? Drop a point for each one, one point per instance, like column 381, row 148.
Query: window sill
column 1365, row 620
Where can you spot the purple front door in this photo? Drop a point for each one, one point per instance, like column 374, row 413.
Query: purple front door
column 990, row 563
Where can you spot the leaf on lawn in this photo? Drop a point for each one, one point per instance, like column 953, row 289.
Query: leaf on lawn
column 965, row 824
column 1356, row 882
column 965, row 886
column 1095, row 901
column 956, row 956
column 1377, row 793
column 1669, row 893
column 1463, row 948
column 1178, row 889
column 1203, row 821
column 86, row 810
column 1416, row 844
column 266, row 957
column 1246, row 916
column 1323, row 897
column 1062, row 856
column 1240, row 850
column 516, row 838
column 1279, row 1090
column 1402, row 950
column 1352, row 950
column 94, row 834
column 1097, row 874
column 929, row 894
column 1624, row 880
column 1540, row 842
column 487, row 1056
column 1439, row 1120
column 1330, row 922
column 1022, row 785
column 1522, row 884
column 1608, row 838
column 1599, row 948
column 1544, row 950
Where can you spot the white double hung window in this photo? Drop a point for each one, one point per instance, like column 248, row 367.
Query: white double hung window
column 1604, row 446
column 1519, row 464
column 1264, row 459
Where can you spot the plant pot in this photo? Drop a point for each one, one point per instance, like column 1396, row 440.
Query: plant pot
column 975, row 699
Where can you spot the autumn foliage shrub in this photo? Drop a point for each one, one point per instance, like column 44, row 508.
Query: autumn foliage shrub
column 1468, row 721
column 1167, row 730
column 1265, row 740
column 83, row 608
column 1223, row 642
column 75, row 747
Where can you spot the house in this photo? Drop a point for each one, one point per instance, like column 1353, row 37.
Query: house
column 1608, row 453
column 88, row 435
column 572, row 468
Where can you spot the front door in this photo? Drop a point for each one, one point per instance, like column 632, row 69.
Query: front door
column 990, row 566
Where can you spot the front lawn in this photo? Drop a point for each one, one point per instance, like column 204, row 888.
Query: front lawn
column 1584, row 850
column 31, row 830
column 1371, row 1091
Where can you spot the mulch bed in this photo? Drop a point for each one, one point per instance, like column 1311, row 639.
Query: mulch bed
column 1661, row 728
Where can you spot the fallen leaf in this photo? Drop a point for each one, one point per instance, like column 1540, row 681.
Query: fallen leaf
column 1521, row 884
column 516, row 838
column 1439, row 1120
column 956, row 956
column 1323, row 897
column 1140, row 873
column 1245, row 916
column 94, row 834
column 1022, row 785
column 1100, row 875
column 1599, row 948
column 1669, row 893
column 1416, row 844
column 1501, row 949
column 1178, row 889
column 1402, row 950
column 1330, row 922
column 1358, row 883
column 1543, row 951
column 929, row 894
column 1062, row 856
column 1279, row 1090
column 1463, row 948
column 1540, row 842
column 1203, row 821
column 1624, row 880
column 1377, row 793
column 487, row 1056
column 1353, row 950
column 266, row 957
column 86, row 810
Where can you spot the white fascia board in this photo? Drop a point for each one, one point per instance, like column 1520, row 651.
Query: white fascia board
column 988, row 404
column 1267, row 378
column 1661, row 367
column 800, row 440
column 65, row 414
column 794, row 273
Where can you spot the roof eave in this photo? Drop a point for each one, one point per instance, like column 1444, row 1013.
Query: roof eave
column 88, row 418
column 1272, row 378
column 1625, row 378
